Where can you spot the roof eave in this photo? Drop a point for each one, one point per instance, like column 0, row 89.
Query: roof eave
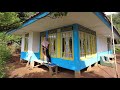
column 106, row 21
column 100, row 15
column 30, row 21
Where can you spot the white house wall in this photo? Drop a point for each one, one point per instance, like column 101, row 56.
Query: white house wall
column 33, row 42
column 22, row 43
column 30, row 42
column 101, row 44
column 36, row 42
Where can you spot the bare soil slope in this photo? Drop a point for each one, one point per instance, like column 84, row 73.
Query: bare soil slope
column 15, row 69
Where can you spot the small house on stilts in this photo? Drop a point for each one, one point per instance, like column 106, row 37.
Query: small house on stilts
column 76, row 40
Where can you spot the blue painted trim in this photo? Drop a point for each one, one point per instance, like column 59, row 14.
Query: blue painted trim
column 76, row 44
column 31, row 21
column 46, row 34
column 67, row 64
column 39, row 47
column 111, row 51
column 85, row 63
column 24, row 56
column 103, row 53
column 102, row 18
column 72, row 65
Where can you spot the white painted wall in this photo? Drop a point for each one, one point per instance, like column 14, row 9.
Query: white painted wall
column 36, row 42
column 22, row 43
column 101, row 44
column 33, row 42
column 30, row 42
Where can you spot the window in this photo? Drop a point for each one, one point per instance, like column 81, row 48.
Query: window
column 94, row 44
column 52, row 44
column 26, row 42
column 108, row 44
column 82, row 44
column 67, row 46
column 87, row 44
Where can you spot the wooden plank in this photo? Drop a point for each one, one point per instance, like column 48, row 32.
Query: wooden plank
column 50, row 66
column 40, row 61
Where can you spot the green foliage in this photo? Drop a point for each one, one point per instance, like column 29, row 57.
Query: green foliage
column 5, row 52
column 6, row 38
column 4, row 57
column 9, row 20
column 55, row 15
column 117, row 49
column 25, row 15
column 13, row 20
column 116, row 20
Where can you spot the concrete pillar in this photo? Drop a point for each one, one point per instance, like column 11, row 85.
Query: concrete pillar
column 77, row 74
column 76, row 49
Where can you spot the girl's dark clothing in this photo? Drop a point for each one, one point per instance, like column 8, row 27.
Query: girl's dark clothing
column 46, row 52
column 43, row 50
column 48, row 56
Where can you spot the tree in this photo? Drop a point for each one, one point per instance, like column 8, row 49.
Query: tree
column 12, row 20
column 9, row 38
column 9, row 20
column 25, row 15
column 55, row 15
column 116, row 20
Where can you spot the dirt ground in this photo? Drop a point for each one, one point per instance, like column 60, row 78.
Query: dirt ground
column 15, row 69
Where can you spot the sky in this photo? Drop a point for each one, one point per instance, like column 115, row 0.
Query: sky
column 108, row 13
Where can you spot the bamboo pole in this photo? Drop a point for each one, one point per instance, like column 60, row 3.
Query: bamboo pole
column 114, row 47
